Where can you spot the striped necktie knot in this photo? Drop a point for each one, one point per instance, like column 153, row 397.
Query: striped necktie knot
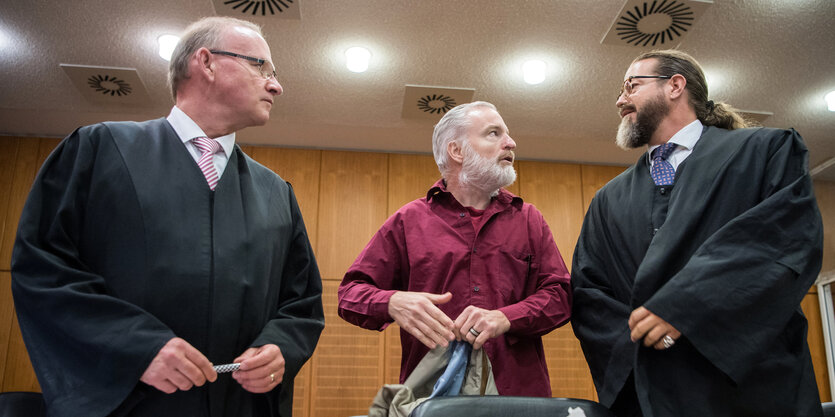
column 208, row 148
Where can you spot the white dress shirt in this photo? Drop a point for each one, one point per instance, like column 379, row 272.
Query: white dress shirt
column 686, row 139
column 187, row 130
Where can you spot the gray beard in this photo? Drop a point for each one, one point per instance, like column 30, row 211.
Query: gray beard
column 634, row 135
column 482, row 173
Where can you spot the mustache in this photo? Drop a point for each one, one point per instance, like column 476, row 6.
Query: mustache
column 510, row 154
column 628, row 107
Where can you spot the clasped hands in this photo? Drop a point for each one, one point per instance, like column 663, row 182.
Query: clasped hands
column 417, row 313
column 651, row 328
column 179, row 366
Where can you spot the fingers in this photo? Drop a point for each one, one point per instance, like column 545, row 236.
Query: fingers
column 178, row 366
column 262, row 369
column 477, row 325
column 416, row 313
column 650, row 329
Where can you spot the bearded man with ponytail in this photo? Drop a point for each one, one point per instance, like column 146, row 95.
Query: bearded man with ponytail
column 690, row 267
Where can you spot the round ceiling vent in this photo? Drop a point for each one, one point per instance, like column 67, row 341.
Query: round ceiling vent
column 654, row 23
column 109, row 86
column 256, row 7
column 436, row 103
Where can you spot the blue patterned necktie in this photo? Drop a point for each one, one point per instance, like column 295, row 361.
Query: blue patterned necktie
column 662, row 172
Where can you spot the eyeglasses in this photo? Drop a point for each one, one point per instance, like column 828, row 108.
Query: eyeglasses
column 266, row 72
column 628, row 87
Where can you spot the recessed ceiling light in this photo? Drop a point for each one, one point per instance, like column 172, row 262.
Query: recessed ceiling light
column 830, row 100
column 534, row 71
column 357, row 59
column 167, row 43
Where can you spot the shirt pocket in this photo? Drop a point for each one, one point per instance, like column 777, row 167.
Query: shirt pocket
column 512, row 274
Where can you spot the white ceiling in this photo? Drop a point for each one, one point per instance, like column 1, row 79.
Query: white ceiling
column 774, row 56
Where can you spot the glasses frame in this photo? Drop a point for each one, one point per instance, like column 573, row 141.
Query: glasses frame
column 258, row 61
column 627, row 86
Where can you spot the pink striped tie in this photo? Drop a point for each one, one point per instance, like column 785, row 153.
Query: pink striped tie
column 208, row 148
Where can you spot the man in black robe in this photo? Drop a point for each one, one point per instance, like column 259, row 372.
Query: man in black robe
column 147, row 252
column 687, row 288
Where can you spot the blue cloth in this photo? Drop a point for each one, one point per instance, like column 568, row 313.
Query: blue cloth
column 450, row 382
column 662, row 171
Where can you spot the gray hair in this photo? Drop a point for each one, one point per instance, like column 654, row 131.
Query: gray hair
column 204, row 33
column 452, row 127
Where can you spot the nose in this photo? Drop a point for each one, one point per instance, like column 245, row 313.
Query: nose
column 274, row 87
column 621, row 100
column 509, row 143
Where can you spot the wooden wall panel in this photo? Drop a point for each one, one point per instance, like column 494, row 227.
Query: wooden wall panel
column 410, row 177
column 352, row 206
column 6, row 323
column 555, row 190
column 811, row 309
column 825, row 193
column 8, row 158
column 595, row 177
column 347, row 365
column 26, row 165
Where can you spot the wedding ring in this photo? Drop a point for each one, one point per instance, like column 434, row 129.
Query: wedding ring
column 272, row 378
column 668, row 341
column 474, row 332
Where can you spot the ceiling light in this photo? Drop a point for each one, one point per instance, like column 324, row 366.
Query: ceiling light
column 357, row 59
column 534, row 71
column 166, row 46
column 830, row 100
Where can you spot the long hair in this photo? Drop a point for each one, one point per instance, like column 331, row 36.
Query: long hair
column 452, row 127
column 671, row 62
column 206, row 32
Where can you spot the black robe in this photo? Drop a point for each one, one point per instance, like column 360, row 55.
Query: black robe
column 725, row 256
column 122, row 246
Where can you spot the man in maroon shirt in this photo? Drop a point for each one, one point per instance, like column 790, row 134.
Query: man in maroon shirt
column 470, row 261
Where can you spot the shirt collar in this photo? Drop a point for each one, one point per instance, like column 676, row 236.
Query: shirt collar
column 686, row 137
column 187, row 130
column 505, row 197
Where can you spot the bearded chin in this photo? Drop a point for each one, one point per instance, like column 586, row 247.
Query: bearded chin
column 628, row 135
column 634, row 135
column 483, row 173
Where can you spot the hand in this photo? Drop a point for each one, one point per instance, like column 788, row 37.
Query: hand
column 487, row 323
column 651, row 328
column 415, row 312
column 262, row 368
column 178, row 366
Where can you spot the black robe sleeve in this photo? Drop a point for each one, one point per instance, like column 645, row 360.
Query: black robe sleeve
column 105, row 343
column 739, row 290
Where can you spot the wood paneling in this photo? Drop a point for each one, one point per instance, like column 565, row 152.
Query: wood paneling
column 811, row 309
column 347, row 365
column 594, row 178
column 555, row 190
column 825, row 193
column 410, row 177
column 352, row 206
column 26, row 165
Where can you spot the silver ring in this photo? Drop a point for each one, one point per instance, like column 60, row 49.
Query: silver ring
column 474, row 332
column 668, row 341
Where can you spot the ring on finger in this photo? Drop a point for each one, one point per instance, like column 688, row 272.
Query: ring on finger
column 272, row 378
column 474, row 332
column 668, row 341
